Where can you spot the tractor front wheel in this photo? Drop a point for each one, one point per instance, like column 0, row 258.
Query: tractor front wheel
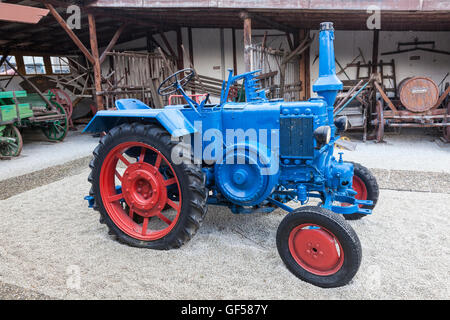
column 366, row 186
column 145, row 198
column 319, row 247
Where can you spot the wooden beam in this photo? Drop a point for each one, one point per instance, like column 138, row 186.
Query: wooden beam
column 235, row 65
column 304, row 67
column 168, row 46
column 385, row 97
column 97, row 69
column 112, row 43
column 71, row 34
column 191, row 46
column 376, row 38
column 271, row 23
column 180, row 60
column 247, row 41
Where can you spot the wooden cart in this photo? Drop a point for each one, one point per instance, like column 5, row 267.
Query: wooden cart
column 19, row 109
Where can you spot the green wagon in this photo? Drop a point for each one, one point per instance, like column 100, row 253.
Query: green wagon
column 19, row 109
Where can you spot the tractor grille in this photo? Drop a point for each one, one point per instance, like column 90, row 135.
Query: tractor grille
column 296, row 137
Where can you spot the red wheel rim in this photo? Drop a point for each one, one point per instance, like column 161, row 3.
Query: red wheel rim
column 360, row 187
column 316, row 249
column 143, row 210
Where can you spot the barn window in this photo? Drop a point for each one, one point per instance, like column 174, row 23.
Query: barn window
column 34, row 65
column 5, row 69
column 60, row 65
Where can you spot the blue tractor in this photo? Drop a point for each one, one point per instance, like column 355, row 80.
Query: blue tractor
column 155, row 170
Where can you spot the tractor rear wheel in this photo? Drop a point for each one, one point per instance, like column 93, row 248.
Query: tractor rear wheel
column 144, row 197
column 366, row 186
column 319, row 247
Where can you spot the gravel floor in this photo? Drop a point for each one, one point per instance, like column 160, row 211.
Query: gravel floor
column 51, row 243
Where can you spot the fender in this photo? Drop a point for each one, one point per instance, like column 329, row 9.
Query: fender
column 132, row 110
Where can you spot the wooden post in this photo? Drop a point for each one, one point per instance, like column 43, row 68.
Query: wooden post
column 95, row 55
column 247, row 41
column 180, row 60
column 373, row 106
column 304, row 67
column 235, row 66
column 376, row 38
column 191, row 46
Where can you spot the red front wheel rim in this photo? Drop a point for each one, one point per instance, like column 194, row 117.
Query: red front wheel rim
column 361, row 190
column 316, row 249
column 140, row 191
column 360, row 187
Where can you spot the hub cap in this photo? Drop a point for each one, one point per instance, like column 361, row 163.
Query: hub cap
column 316, row 249
column 140, row 192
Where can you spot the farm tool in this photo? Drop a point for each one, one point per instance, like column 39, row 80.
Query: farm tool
column 156, row 170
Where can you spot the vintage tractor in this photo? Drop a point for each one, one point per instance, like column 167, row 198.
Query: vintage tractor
column 155, row 170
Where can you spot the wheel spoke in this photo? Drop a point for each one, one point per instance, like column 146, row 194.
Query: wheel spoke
column 116, row 197
column 122, row 158
column 131, row 213
column 164, row 218
column 158, row 161
column 173, row 204
column 169, row 182
column 142, row 156
column 144, row 226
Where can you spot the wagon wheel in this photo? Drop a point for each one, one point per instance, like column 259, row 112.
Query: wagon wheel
column 11, row 148
column 380, row 122
column 63, row 99
column 56, row 130
column 447, row 129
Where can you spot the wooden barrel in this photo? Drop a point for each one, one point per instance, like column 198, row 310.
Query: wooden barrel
column 418, row 94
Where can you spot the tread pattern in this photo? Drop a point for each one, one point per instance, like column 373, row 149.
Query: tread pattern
column 191, row 177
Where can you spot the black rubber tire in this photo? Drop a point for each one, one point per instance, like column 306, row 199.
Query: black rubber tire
column 342, row 231
column 190, row 177
column 371, row 184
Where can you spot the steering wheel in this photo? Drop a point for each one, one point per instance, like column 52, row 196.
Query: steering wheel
column 173, row 83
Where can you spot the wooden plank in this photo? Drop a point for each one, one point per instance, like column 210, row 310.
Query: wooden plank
column 22, row 14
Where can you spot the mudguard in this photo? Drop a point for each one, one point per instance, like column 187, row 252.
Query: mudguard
column 132, row 110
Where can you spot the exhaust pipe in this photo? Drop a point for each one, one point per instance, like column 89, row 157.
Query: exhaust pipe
column 328, row 84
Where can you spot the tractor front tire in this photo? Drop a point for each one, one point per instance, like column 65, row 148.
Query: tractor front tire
column 319, row 247
column 135, row 181
column 365, row 183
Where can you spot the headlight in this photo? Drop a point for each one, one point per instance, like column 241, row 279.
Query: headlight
column 341, row 124
column 323, row 135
